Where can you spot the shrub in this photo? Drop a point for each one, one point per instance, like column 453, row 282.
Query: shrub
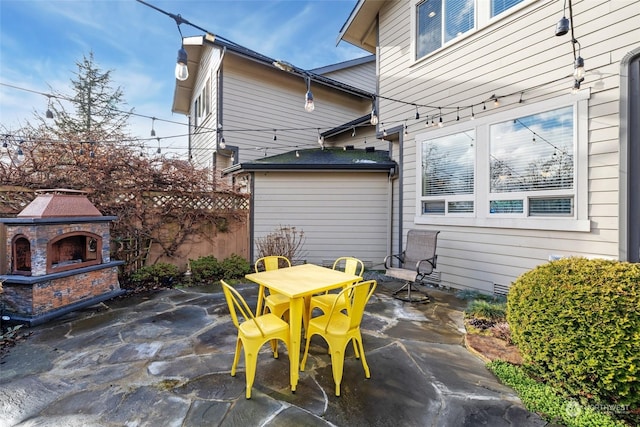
column 235, row 267
column 577, row 325
column 284, row 241
column 544, row 400
column 495, row 311
column 205, row 269
column 160, row 273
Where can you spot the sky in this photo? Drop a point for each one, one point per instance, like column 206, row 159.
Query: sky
column 42, row 40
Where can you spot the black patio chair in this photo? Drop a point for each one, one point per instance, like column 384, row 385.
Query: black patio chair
column 417, row 261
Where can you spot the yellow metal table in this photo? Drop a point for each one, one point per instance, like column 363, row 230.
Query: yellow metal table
column 299, row 282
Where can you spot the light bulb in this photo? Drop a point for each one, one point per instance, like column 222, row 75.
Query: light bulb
column 223, row 144
column 374, row 117
column 182, row 71
column 19, row 156
column 578, row 72
column 309, row 106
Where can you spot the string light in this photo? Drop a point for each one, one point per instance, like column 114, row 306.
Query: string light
column 417, row 113
column 458, row 114
column 49, row 113
column 374, row 113
column 153, row 131
column 309, row 106
column 374, row 118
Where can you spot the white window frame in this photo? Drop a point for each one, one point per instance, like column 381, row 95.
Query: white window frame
column 482, row 19
column 579, row 221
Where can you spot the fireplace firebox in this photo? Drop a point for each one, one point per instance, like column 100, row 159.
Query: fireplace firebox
column 55, row 257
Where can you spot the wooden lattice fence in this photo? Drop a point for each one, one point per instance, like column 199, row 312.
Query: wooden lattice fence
column 221, row 237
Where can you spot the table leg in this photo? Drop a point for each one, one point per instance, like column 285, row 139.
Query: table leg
column 260, row 300
column 296, row 310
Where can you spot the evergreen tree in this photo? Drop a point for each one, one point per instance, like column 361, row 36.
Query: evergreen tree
column 98, row 107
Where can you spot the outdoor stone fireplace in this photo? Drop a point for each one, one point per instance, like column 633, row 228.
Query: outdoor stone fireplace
column 55, row 258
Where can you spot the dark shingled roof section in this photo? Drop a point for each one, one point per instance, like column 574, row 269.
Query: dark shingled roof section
column 329, row 158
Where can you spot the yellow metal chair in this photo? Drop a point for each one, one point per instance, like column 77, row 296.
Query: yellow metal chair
column 326, row 300
column 338, row 328
column 253, row 333
column 275, row 303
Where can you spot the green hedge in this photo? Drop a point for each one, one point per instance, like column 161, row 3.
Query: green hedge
column 577, row 325
column 209, row 269
column 160, row 273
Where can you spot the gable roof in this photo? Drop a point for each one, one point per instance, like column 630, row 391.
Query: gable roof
column 317, row 159
column 183, row 91
column 361, row 28
column 343, row 65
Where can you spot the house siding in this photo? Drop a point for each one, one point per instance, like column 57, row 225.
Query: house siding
column 203, row 136
column 517, row 53
column 362, row 76
column 341, row 213
column 262, row 98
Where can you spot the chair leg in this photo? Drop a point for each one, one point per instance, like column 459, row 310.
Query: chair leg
column 337, row 365
column 306, row 353
column 250, row 361
column 363, row 359
column 236, row 357
column 407, row 288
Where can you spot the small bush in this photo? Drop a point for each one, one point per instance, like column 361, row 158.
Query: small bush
column 577, row 325
column 483, row 309
column 205, row 269
column 235, row 267
column 208, row 269
column 160, row 273
column 285, row 241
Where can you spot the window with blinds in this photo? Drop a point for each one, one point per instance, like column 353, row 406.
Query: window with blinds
column 533, row 154
column 438, row 22
column 448, row 173
column 499, row 6
column 515, row 168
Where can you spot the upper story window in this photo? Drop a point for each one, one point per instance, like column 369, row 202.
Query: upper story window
column 441, row 21
column 515, row 168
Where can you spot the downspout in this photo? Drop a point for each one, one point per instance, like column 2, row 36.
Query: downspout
column 399, row 130
column 218, row 112
column 400, row 189
column 251, row 210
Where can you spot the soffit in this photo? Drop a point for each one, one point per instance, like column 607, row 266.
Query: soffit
column 184, row 90
column 361, row 28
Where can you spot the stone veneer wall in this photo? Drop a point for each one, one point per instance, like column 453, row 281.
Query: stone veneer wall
column 60, row 290
column 39, row 234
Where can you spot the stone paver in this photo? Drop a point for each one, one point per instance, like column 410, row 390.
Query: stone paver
column 164, row 360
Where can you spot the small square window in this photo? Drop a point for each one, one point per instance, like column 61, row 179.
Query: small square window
column 551, row 206
column 433, row 207
column 506, row 206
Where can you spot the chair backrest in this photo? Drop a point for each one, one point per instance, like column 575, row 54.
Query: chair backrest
column 356, row 296
column 351, row 265
column 271, row 262
column 421, row 244
column 238, row 305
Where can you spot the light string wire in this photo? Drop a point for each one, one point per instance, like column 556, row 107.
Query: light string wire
column 203, row 129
